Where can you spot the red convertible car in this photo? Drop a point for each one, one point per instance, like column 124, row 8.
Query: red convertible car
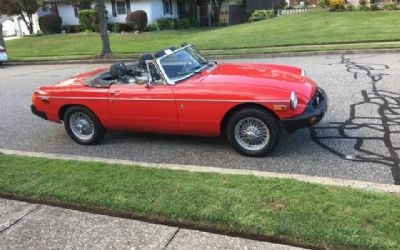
column 177, row 91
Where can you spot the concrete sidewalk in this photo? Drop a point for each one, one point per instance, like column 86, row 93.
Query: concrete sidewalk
column 31, row 226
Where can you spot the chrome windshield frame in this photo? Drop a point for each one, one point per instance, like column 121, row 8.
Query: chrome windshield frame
column 164, row 74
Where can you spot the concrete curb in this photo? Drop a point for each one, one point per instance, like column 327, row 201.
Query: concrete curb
column 367, row 186
column 218, row 57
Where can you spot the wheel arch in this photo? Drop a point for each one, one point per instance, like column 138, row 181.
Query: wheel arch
column 241, row 106
column 65, row 107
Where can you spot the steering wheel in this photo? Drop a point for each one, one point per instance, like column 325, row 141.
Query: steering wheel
column 186, row 66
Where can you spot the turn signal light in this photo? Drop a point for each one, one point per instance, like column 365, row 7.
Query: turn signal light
column 34, row 99
column 280, row 107
column 313, row 120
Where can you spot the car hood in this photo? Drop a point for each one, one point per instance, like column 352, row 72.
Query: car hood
column 261, row 76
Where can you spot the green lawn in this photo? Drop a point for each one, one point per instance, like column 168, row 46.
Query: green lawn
column 282, row 210
column 309, row 28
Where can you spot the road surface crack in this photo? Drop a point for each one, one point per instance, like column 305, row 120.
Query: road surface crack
column 18, row 217
column 171, row 239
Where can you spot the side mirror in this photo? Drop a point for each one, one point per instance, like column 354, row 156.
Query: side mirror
column 148, row 85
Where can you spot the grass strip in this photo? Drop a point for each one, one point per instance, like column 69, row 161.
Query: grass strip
column 219, row 54
column 313, row 28
column 279, row 210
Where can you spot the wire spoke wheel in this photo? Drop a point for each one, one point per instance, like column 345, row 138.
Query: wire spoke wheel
column 81, row 126
column 252, row 133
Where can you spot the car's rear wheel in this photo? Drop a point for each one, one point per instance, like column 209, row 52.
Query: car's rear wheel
column 253, row 132
column 83, row 126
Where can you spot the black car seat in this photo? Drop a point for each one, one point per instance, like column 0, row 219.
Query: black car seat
column 143, row 59
column 159, row 54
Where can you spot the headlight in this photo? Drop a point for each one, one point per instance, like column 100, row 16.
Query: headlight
column 293, row 101
column 303, row 72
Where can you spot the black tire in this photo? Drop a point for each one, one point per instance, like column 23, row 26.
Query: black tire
column 98, row 129
column 259, row 115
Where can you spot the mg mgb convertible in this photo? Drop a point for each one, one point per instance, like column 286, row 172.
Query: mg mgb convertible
column 178, row 91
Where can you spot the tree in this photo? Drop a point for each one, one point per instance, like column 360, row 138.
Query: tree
column 101, row 12
column 216, row 9
column 2, row 43
column 102, row 18
column 24, row 9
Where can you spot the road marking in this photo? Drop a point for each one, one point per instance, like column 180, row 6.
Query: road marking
column 368, row 186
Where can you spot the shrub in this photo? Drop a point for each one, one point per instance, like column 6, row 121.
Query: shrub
column 349, row 7
column 183, row 23
column 194, row 22
column 336, row 5
column 166, row 23
column 323, row 4
column 118, row 27
column 389, row 6
column 363, row 5
column 374, row 7
column 137, row 20
column 72, row 28
column 261, row 15
column 50, row 24
column 152, row 27
column 88, row 19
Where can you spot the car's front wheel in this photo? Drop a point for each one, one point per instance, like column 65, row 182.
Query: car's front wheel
column 253, row 132
column 83, row 126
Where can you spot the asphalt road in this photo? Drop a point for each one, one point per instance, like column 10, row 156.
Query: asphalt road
column 358, row 139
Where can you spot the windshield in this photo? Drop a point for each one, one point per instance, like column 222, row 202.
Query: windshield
column 183, row 64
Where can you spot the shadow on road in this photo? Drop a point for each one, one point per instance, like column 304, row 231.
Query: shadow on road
column 372, row 126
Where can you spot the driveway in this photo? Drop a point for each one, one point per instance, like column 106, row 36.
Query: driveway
column 358, row 139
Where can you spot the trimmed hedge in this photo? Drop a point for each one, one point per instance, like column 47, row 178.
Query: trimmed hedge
column 389, row 6
column 152, row 27
column 166, row 23
column 72, row 28
column 137, row 20
column 88, row 19
column 258, row 15
column 50, row 24
column 118, row 27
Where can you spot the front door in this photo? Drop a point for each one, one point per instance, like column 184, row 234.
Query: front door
column 144, row 109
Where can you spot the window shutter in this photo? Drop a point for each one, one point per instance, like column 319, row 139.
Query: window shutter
column 164, row 6
column 75, row 10
column 170, row 7
column 128, row 6
column 114, row 11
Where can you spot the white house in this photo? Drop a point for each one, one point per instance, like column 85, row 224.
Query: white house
column 117, row 10
column 15, row 26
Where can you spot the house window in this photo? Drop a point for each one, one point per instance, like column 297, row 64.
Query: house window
column 121, row 7
column 167, row 5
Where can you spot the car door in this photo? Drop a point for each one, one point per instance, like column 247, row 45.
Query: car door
column 143, row 108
